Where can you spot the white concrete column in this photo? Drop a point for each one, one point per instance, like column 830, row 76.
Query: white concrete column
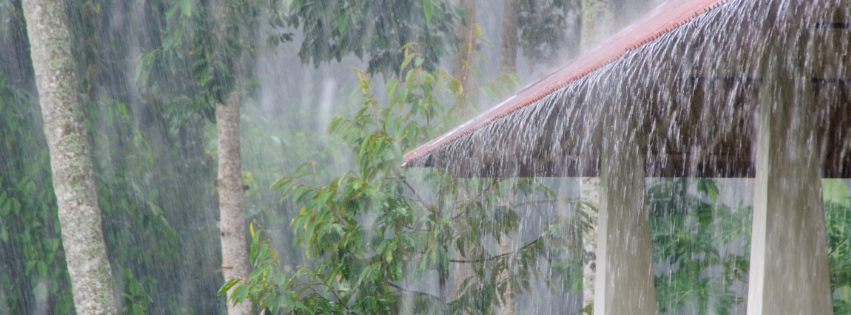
column 624, row 278
column 589, row 193
column 789, row 267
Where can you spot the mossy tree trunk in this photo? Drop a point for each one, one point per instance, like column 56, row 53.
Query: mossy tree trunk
column 597, row 23
column 70, row 157
column 508, row 52
column 462, row 61
column 626, row 11
column 231, row 198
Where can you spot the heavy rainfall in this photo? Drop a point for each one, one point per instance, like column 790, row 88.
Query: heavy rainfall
column 505, row 157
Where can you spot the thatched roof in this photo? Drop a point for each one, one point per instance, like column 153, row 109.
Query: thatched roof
column 688, row 76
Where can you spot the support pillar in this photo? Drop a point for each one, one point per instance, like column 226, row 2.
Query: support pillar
column 624, row 278
column 589, row 192
column 789, row 265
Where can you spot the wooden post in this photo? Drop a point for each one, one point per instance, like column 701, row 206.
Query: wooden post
column 624, row 281
column 789, row 267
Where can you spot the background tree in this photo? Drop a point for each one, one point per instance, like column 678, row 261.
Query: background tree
column 378, row 237
column 626, row 11
column 70, row 157
column 222, row 36
column 508, row 49
column 468, row 37
column 334, row 29
column 141, row 200
column 691, row 231
column 550, row 30
column 154, row 152
column 508, row 64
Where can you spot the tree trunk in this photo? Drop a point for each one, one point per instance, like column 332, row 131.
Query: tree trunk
column 506, row 245
column 231, row 199
column 597, row 22
column 510, row 17
column 462, row 273
column 574, row 38
column 462, row 61
column 70, row 157
column 626, row 11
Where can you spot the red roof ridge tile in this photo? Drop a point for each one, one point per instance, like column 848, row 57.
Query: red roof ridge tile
column 672, row 14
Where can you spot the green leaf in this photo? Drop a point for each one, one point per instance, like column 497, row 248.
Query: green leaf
column 185, row 7
column 29, row 266
column 239, row 294
column 228, row 285
column 40, row 291
column 408, row 58
column 401, row 95
column 172, row 38
column 171, row 11
column 391, row 87
column 428, row 9
column 342, row 22
column 204, row 76
column 41, row 267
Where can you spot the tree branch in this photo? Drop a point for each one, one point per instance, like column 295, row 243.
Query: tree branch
column 466, row 261
column 467, row 208
column 409, row 292
column 533, row 202
column 413, row 191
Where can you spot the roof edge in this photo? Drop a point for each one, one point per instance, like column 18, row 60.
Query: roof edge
column 641, row 32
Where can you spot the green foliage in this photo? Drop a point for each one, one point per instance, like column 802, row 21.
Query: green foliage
column 137, row 233
column 838, row 223
column 373, row 235
column 206, row 52
column 697, row 237
column 135, row 167
column 549, row 29
column 336, row 28
column 692, row 234
column 34, row 273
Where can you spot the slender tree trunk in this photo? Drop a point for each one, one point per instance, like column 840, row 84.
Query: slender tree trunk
column 70, row 157
column 506, row 245
column 4, row 301
column 589, row 190
column 510, row 17
column 574, row 15
column 619, row 12
column 507, row 298
column 462, row 57
column 626, row 11
column 462, row 273
column 231, row 198
column 597, row 22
